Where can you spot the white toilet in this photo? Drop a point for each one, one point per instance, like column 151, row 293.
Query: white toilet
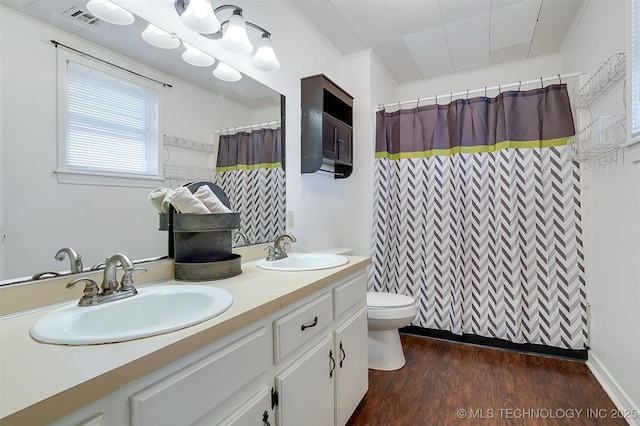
column 386, row 313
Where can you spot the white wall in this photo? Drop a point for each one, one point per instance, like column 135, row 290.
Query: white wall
column 611, row 212
column 41, row 215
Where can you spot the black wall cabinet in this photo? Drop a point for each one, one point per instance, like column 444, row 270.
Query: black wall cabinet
column 327, row 127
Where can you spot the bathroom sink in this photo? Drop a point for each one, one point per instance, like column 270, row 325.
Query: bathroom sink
column 304, row 262
column 153, row 311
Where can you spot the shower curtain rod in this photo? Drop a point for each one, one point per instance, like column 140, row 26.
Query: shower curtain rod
column 499, row 87
column 248, row 127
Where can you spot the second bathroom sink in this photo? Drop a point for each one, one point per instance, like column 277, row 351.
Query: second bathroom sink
column 304, row 262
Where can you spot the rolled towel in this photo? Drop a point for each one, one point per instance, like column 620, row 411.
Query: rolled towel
column 157, row 197
column 209, row 199
column 184, row 201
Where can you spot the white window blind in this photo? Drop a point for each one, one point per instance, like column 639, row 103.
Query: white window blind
column 635, row 69
column 112, row 124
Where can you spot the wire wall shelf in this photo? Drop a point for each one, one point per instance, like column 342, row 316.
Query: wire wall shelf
column 600, row 143
column 601, row 81
column 190, row 144
column 184, row 173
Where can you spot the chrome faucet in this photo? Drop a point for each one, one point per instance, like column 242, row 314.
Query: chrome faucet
column 111, row 290
column 74, row 258
column 239, row 233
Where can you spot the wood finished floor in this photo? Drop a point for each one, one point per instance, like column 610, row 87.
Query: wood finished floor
column 447, row 383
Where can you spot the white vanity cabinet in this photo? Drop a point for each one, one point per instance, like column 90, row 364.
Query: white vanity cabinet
column 324, row 385
column 304, row 364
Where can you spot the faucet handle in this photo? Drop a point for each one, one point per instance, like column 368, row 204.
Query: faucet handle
column 126, row 283
column 91, row 291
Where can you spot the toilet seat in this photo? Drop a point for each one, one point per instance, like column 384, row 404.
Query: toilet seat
column 382, row 300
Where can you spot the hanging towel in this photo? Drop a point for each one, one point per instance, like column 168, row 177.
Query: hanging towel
column 157, row 197
column 185, row 202
column 210, row 200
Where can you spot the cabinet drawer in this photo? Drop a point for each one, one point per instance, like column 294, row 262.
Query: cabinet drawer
column 349, row 295
column 192, row 392
column 297, row 327
column 252, row 412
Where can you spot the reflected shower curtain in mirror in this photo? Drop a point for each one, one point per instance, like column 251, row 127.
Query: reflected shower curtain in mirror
column 477, row 215
column 249, row 169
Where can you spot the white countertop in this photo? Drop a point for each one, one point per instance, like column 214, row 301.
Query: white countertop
column 44, row 382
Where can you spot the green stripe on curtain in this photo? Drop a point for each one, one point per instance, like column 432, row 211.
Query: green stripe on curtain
column 249, row 167
column 477, row 125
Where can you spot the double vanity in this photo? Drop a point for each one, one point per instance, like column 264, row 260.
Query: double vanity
column 291, row 349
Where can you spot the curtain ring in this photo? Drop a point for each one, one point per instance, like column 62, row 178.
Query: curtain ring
column 467, row 94
column 450, row 97
column 499, row 90
column 519, row 84
column 436, row 99
column 418, row 103
column 485, row 91
column 541, row 83
column 559, row 79
column 399, row 108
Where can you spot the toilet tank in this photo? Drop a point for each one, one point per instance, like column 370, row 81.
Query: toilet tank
column 345, row 251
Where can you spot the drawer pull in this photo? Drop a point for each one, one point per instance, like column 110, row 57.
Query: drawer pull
column 333, row 363
column 313, row 324
column 265, row 418
column 343, row 355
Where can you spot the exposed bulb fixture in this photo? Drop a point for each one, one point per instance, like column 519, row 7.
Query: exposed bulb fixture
column 196, row 57
column 110, row 12
column 265, row 57
column 160, row 38
column 226, row 73
column 200, row 17
column 235, row 38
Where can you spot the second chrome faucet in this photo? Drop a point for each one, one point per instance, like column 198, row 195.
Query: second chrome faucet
column 111, row 289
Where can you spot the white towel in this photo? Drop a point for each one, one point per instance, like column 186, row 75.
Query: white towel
column 184, row 201
column 210, row 200
column 157, row 197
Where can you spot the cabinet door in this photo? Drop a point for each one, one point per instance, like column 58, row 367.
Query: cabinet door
column 305, row 388
column 255, row 412
column 330, row 135
column 345, row 145
column 352, row 377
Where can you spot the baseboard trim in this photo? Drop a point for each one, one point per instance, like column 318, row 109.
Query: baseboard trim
column 579, row 354
column 615, row 392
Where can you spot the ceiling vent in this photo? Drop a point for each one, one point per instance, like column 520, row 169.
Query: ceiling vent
column 82, row 16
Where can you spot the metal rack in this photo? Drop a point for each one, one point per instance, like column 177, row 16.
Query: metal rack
column 601, row 81
column 601, row 142
column 182, row 173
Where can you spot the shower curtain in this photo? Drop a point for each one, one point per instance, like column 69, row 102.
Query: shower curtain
column 249, row 170
column 477, row 215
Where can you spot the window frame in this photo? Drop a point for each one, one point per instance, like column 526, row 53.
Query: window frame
column 89, row 177
column 633, row 75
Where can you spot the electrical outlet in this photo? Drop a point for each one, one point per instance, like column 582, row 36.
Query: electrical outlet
column 289, row 219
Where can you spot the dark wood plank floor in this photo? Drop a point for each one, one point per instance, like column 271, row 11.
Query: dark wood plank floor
column 446, row 383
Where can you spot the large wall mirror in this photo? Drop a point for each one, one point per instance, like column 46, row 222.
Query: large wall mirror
column 41, row 215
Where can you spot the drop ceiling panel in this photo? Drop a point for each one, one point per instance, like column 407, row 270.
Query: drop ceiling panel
column 414, row 16
column 514, row 24
column 358, row 12
column 555, row 17
column 428, row 46
column 510, row 53
column 454, row 10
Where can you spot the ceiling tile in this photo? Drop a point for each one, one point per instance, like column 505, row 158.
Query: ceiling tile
column 467, row 29
column 514, row 24
column 454, row 10
column 436, row 68
column 428, row 46
column 374, row 32
column 511, row 53
column 413, row 16
column 357, row 11
column 554, row 21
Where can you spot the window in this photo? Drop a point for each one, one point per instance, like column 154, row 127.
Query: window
column 108, row 127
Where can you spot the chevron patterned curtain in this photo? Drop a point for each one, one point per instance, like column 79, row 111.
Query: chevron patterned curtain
column 249, row 169
column 477, row 215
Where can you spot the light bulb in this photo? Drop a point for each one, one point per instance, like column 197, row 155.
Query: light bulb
column 200, row 17
column 160, row 38
column 226, row 73
column 235, row 38
column 110, row 12
column 265, row 57
column 196, row 57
